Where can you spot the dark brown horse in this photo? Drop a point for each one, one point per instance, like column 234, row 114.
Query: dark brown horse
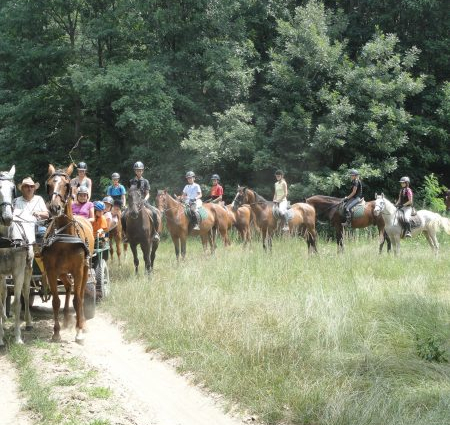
column 329, row 209
column 139, row 229
column 262, row 210
column 66, row 250
column 179, row 226
column 115, row 238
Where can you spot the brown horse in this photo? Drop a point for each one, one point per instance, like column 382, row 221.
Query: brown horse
column 116, row 237
column 66, row 250
column 303, row 223
column 139, row 229
column 179, row 225
column 240, row 218
column 262, row 210
column 329, row 208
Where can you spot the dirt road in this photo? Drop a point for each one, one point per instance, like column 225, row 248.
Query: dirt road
column 114, row 382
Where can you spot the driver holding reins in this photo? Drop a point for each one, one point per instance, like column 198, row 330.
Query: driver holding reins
column 354, row 197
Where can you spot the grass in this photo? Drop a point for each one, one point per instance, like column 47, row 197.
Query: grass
column 100, row 392
column 349, row 339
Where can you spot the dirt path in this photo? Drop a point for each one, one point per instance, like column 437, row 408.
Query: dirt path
column 141, row 390
column 10, row 401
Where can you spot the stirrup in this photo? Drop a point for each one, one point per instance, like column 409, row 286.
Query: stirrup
column 408, row 234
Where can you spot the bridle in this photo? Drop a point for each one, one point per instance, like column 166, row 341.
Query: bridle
column 6, row 203
column 55, row 193
column 139, row 205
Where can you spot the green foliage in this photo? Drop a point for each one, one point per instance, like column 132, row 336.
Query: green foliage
column 432, row 349
column 431, row 194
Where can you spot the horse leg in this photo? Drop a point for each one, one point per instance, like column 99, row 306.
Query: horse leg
column 3, row 291
column 183, row 247
column 67, row 286
column 204, row 238
column 153, row 253
column 135, row 257
column 264, row 234
column 118, row 241
column 26, row 292
column 80, row 277
column 176, row 244
column 432, row 241
column 212, row 240
column 146, row 248
column 18, row 277
column 339, row 238
column 56, row 303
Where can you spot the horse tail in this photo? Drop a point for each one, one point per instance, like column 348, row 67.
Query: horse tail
column 444, row 223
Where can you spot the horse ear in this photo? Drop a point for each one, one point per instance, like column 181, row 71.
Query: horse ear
column 376, row 195
column 51, row 169
column 382, row 195
column 12, row 171
column 69, row 170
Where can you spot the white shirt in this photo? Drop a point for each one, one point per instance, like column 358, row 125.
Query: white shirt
column 35, row 204
column 192, row 191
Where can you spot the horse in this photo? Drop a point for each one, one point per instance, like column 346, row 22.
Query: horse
column 329, row 208
column 262, row 210
column 240, row 218
column 16, row 255
column 179, row 225
column 139, row 229
column 116, row 236
column 66, row 250
column 303, row 223
column 426, row 222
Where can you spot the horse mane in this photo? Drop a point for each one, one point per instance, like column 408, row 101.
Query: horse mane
column 259, row 198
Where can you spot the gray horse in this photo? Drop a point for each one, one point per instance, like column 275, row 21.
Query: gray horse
column 16, row 255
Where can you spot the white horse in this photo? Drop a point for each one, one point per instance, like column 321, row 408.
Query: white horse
column 426, row 222
column 16, row 254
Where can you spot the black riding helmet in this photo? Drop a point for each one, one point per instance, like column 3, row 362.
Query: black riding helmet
column 82, row 166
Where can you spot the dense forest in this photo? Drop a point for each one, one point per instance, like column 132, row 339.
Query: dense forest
column 235, row 87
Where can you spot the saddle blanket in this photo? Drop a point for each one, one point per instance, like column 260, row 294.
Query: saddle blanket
column 203, row 214
column 358, row 210
column 276, row 212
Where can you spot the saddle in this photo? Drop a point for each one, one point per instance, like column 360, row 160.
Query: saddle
column 201, row 213
column 415, row 221
column 356, row 211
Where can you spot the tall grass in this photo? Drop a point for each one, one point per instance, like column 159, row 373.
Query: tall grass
column 351, row 339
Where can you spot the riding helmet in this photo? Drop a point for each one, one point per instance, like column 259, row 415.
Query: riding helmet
column 82, row 166
column 354, row 172
column 138, row 165
column 99, row 206
column 190, row 174
column 215, row 177
column 404, row 179
column 83, row 190
column 108, row 200
column 115, row 176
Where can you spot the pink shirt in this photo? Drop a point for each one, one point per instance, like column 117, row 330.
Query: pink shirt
column 82, row 209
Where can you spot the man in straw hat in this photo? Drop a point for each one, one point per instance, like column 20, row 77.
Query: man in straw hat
column 33, row 204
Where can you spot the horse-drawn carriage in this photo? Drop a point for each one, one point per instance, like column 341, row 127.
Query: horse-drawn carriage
column 97, row 286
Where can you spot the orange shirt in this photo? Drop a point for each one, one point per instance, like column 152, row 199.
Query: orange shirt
column 99, row 223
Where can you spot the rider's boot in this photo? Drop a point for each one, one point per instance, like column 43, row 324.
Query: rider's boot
column 348, row 219
column 195, row 222
column 408, row 230
column 285, row 224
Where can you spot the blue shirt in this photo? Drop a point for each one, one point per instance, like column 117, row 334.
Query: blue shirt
column 116, row 192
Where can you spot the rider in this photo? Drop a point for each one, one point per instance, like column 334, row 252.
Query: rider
column 110, row 214
column 82, row 206
column 99, row 225
column 354, row 197
column 81, row 179
column 405, row 203
column 144, row 186
column 280, row 197
column 216, row 189
column 192, row 194
column 116, row 190
column 34, row 204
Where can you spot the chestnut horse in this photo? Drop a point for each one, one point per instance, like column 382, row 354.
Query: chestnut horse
column 262, row 210
column 240, row 218
column 140, row 229
column 328, row 209
column 303, row 223
column 67, row 248
column 179, row 225
column 116, row 236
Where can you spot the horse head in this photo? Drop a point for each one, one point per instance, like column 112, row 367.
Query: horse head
column 240, row 198
column 7, row 191
column 58, row 188
column 160, row 199
column 135, row 202
column 380, row 204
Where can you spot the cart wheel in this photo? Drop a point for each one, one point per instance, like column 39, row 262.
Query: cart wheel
column 102, row 279
column 89, row 300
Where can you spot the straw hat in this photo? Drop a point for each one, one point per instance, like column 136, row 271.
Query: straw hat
column 28, row 181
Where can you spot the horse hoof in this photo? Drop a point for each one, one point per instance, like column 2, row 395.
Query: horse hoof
column 79, row 340
column 56, row 338
column 29, row 327
column 19, row 342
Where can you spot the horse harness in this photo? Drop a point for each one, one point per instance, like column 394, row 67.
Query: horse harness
column 56, row 193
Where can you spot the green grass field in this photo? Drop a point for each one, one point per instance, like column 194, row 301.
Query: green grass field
column 351, row 339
